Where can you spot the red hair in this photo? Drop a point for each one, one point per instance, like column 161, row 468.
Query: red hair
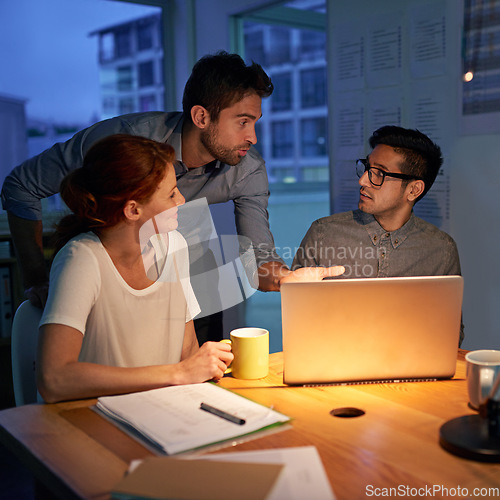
column 115, row 170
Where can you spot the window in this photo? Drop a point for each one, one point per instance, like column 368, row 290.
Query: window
column 146, row 74
column 126, row 105
column 314, row 137
column 123, row 46
column 143, row 69
column 147, row 103
column 108, row 105
column 283, row 174
column 281, row 99
column 279, row 48
column 107, row 47
column 282, row 134
column 319, row 174
column 108, row 80
column 145, row 35
column 124, row 78
column 312, row 43
column 254, row 44
column 313, row 87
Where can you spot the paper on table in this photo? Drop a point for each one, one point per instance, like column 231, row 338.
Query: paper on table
column 166, row 477
column 302, row 477
column 171, row 417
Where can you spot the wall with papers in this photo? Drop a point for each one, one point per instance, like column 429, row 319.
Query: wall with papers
column 388, row 67
column 393, row 62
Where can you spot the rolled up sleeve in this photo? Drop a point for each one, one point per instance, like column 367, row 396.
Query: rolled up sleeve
column 252, row 218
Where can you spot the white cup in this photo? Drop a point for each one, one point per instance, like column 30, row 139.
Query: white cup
column 482, row 368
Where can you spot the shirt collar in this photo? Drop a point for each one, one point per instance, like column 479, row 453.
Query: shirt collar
column 378, row 233
column 175, row 140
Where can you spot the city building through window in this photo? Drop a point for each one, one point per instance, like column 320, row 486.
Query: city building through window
column 292, row 133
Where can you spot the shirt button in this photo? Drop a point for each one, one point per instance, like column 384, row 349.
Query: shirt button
column 396, row 241
column 382, row 255
column 375, row 238
column 387, row 235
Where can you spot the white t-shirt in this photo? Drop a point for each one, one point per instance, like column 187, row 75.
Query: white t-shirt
column 122, row 326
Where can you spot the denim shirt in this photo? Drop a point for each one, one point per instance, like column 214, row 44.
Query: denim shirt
column 358, row 242
column 246, row 184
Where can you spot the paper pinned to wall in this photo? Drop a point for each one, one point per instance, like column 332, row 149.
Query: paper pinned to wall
column 428, row 39
column 349, row 62
column 349, row 137
column 385, row 51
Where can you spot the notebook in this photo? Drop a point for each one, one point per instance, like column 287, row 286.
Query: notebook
column 372, row 329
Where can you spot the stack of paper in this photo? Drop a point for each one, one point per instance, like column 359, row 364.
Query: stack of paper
column 278, row 474
column 165, row 477
column 172, row 420
column 303, row 475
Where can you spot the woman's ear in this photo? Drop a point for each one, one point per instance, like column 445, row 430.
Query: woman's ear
column 132, row 210
column 200, row 116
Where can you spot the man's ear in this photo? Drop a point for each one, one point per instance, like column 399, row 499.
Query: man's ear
column 200, row 116
column 132, row 210
column 415, row 189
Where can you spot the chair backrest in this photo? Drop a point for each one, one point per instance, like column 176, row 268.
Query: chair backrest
column 23, row 348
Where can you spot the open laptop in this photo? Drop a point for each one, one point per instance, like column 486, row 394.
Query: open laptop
column 373, row 329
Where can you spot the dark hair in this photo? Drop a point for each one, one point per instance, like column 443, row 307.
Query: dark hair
column 115, row 170
column 218, row 81
column 422, row 157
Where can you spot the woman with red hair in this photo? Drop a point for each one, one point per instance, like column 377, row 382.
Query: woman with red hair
column 110, row 325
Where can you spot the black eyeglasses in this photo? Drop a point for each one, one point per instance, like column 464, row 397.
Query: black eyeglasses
column 377, row 176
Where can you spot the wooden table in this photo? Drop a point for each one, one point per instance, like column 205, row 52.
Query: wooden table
column 78, row 454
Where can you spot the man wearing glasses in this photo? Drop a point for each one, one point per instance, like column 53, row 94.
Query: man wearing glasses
column 384, row 238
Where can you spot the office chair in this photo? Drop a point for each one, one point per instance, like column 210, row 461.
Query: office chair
column 23, row 351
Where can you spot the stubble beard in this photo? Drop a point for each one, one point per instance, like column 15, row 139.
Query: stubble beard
column 209, row 139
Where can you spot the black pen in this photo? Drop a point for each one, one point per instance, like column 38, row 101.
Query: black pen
column 222, row 414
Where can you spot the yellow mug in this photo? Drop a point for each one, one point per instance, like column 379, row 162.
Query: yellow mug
column 250, row 347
